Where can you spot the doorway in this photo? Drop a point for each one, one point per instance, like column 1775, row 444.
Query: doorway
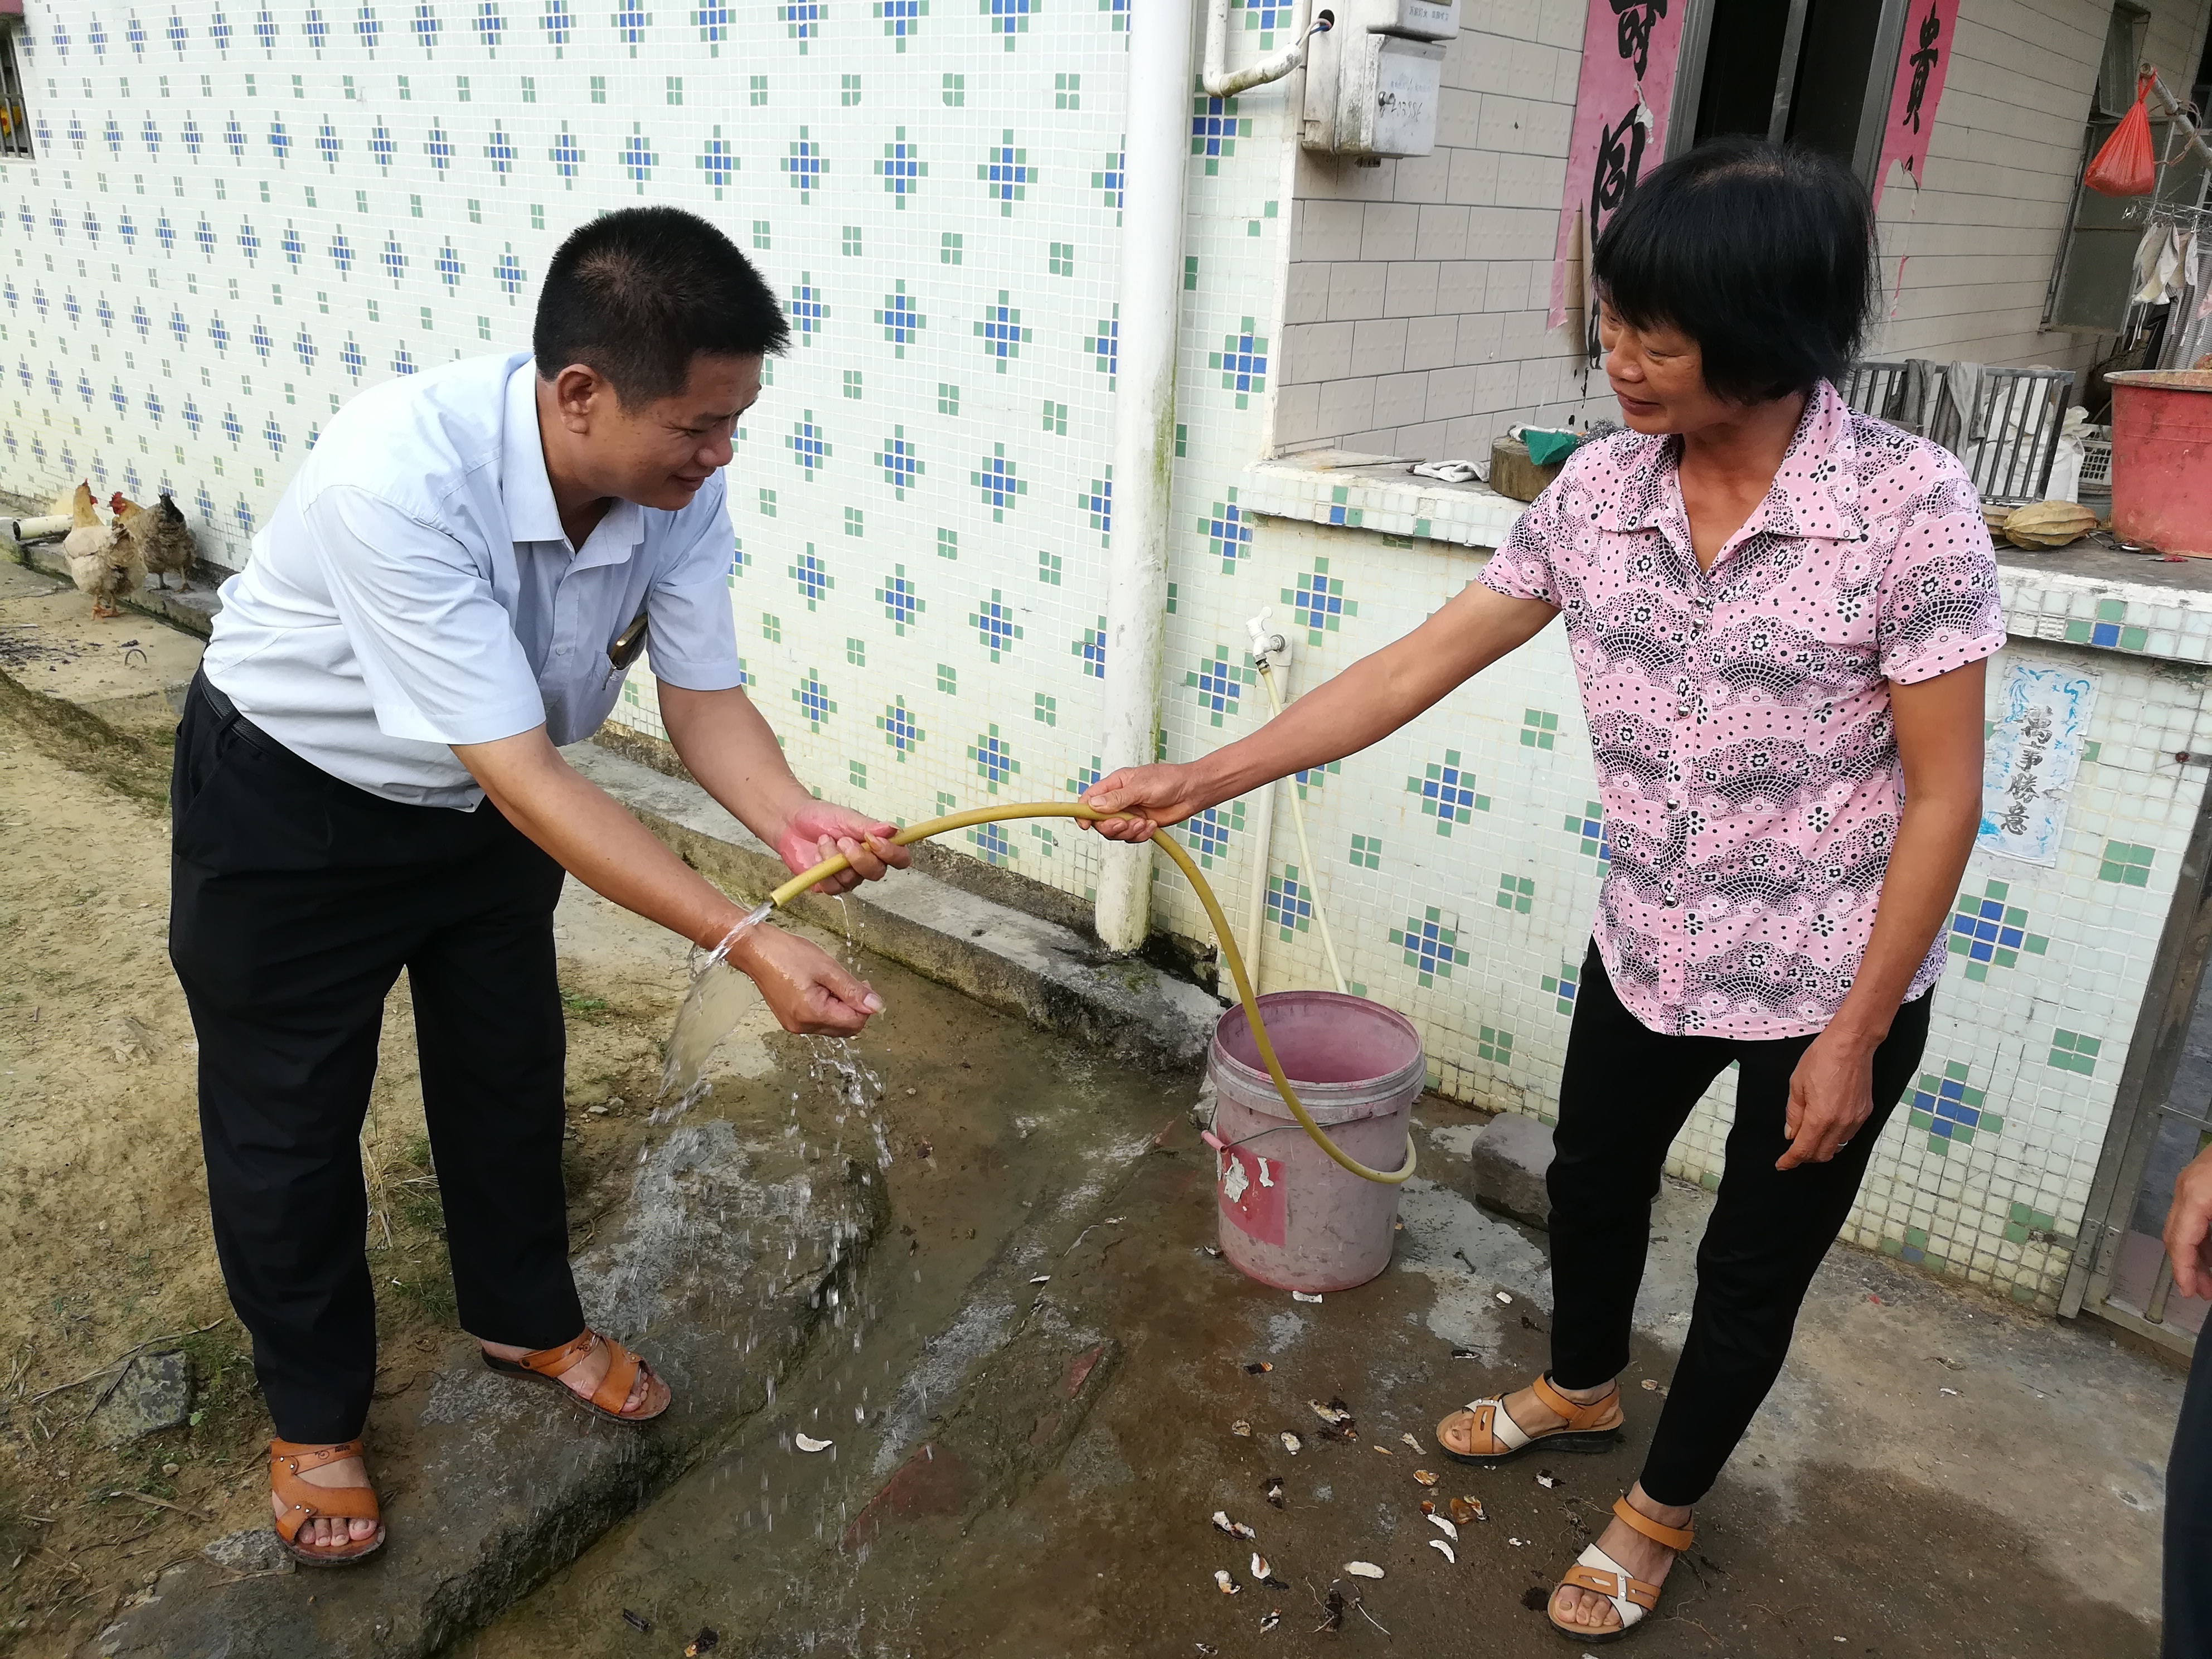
column 2161, row 1119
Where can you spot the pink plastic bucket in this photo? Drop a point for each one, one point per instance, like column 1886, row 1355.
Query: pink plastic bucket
column 2162, row 458
column 1290, row 1216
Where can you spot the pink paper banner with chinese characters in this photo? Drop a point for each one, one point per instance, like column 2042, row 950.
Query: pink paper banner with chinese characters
column 1629, row 52
column 1931, row 26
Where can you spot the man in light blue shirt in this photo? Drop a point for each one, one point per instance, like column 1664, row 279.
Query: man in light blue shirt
column 368, row 779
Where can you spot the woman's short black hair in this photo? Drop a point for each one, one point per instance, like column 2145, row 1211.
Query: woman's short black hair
column 1762, row 254
column 638, row 293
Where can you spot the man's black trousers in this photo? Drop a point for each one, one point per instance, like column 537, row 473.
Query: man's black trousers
column 295, row 901
column 1624, row 1094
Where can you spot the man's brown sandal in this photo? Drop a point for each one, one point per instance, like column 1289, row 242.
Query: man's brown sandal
column 1597, row 1572
column 1492, row 1436
column 304, row 1501
column 608, row 1399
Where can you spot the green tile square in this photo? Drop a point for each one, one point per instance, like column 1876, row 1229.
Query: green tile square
column 2020, row 1213
column 1916, row 1238
column 1999, row 891
column 1977, row 971
column 2090, row 750
column 1938, row 1145
column 1891, row 1247
column 2014, row 1233
column 1954, row 1070
column 2137, row 875
column 2134, row 639
column 2077, row 633
column 2112, row 611
column 1920, row 1120
column 1992, row 1124
column 2035, row 945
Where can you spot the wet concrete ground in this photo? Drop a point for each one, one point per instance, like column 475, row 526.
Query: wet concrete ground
column 1028, row 1469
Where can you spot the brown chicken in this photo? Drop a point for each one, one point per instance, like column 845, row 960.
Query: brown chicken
column 103, row 560
column 164, row 540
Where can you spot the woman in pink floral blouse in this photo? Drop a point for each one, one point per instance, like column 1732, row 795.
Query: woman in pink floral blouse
column 1778, row 611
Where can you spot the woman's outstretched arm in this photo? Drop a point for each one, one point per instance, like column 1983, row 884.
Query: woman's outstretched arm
column 1367, row 702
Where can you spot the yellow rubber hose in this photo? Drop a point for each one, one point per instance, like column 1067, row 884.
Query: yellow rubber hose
column 1173, row 848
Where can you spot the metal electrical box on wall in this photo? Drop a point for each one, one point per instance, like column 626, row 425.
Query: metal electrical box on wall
column 1372, row 81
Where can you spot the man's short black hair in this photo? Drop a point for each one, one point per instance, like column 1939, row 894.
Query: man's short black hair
column 638, row 293
column 1762, row 254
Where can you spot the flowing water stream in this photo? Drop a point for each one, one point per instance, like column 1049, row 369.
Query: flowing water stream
column 718, row 997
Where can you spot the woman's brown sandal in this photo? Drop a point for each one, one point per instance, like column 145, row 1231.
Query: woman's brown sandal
column 1492, row 1436
column 304, row 1501
column 1597, row 1571
column 608, row 1399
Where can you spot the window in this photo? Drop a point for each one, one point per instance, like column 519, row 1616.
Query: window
column 14, row 117
column 2124, row 51
column 2090, row 280
column 1816, row 72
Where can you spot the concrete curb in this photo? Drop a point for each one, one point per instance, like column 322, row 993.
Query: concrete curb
column 1003, row 957
column 492, row 1484
column 192, row 611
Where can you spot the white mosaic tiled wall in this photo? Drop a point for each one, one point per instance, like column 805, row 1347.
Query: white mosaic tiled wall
column 236, row 218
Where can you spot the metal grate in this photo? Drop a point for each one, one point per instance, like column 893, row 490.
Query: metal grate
column 2097, row 463
column 2010, row 434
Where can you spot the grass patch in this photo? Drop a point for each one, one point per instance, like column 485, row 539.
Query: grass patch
column 226, row 1399
column 416, row 1270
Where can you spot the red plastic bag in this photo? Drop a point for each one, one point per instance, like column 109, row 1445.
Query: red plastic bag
column 2125, row 166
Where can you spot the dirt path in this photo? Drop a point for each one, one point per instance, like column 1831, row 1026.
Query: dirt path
column 104, row 1239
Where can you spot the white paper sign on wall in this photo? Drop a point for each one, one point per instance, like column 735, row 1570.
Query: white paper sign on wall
column 2032, row 755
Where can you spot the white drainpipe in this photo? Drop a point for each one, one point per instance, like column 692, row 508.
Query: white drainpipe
column 1157, row 149
column 1157, row 152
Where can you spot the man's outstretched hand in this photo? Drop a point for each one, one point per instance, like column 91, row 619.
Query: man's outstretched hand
column 803, row 985
column 818, row 831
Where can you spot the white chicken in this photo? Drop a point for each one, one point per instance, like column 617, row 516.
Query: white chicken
column 103, row 560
